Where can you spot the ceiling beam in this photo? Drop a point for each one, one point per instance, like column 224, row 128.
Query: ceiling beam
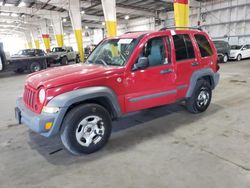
column 32, row 11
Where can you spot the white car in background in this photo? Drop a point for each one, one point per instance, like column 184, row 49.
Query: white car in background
column 239, row 52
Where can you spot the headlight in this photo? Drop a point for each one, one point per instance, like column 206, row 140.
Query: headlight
column 42, row 96
column 50, row 110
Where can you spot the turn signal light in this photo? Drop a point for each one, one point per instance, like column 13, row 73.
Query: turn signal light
column 48, row 125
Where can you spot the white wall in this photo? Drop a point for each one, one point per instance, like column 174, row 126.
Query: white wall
column 225, row 18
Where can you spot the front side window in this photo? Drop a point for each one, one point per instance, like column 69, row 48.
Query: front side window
column 204, row 46
column 58, row 49
column 183, row 47
column 236, row 47
column 155, row 51
column 27, row 52
column 114, row 52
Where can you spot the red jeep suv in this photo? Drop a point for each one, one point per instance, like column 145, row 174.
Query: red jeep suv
column 123, row 74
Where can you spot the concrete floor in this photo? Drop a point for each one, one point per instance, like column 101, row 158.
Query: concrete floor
column 161, row 147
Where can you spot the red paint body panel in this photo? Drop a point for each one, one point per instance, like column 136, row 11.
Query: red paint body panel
column 135, row 85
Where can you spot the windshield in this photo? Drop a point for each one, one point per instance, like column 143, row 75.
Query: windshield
column 219, row 44
column 58, row 50
column 113, row 52
column 26, row 52
column 236, row 47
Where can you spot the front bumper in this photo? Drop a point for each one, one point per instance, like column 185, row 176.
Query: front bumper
column 233, row 56
column 36, row 122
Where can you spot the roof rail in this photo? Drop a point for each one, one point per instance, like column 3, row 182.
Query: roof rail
column 134, row 32
column 180, row 27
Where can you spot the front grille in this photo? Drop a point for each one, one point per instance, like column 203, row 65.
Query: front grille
column 29, row 98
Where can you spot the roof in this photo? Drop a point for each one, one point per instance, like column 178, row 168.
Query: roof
column 133, row 34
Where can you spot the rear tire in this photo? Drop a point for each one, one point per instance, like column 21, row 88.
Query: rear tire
column 201, row 97
column 86, row 129
column 77, row 60
column 35, row 67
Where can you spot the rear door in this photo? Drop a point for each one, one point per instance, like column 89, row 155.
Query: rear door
column 186, row 61
column 154, row 85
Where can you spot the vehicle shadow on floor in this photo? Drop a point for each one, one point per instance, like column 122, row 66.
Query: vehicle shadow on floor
column 10, row 74
column 126, row 133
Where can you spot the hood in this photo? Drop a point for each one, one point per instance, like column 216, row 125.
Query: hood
column 18, row 56
column 64, row 75
column 56, row 53
column 234, row 51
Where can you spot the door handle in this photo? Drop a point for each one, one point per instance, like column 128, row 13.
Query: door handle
column 166, row 71
column 194, row 64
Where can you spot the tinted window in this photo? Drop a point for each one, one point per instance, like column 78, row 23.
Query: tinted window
column 40, row 53
column 204, row 46
column 155, row 51
column 247, row 46
column 183, row 47
column 236, row 47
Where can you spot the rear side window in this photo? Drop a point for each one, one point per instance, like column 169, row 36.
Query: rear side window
column 183, row 47
column 204, row 46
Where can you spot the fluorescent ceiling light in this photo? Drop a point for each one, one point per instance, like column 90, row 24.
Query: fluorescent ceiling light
column 103, row 23
column 4, row 14
column 82, row 12
column 126, row 17
column 14, row 15
column 8, row 5
column 22, row 4
column 86, row 27
column 64, row 20
column 9, row 21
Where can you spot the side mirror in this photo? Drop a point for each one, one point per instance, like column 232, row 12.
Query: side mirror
column 141, row 64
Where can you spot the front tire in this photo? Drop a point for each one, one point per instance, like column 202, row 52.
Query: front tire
column 86, row 129
column 201, row 97
column 225, row 58
column 239, row 57
column 64, row 61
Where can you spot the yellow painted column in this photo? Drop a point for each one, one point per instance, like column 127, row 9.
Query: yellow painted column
column 46, row 41
column 76, row 21
column 37, row 43
column 59, row 40
column 111, row 28
column 57, row 27
column 78, row 35
column 28, row 39
column 109, row 9
column 30, row 44
column 181, row 13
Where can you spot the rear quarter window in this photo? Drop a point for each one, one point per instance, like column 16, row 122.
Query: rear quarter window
column 204, row 45
column 183, row 47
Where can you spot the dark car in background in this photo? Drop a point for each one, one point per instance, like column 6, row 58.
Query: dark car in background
column 29, row 53
column 223, row 50
column 32, row 60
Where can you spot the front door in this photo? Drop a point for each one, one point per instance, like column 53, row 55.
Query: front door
column 154, row 85
column 246, row 51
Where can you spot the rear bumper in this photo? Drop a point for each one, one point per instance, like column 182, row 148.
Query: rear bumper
column 36, row 122
column 216, row 79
